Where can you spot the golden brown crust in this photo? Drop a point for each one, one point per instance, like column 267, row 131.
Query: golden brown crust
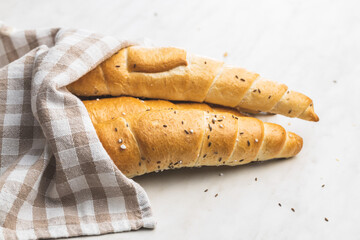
column 160, row 135
column 153, row 60
column 92, row 84
column 109, row 108
column 294, row 104
column 105, row 109
column 198, row 106
column 249, row 139
column 274, row 140
column 115, row 134
column 263, row 95
column 292, row 146
column 162, row 139
column 172, row 74
column 231, row 86
column 227, row 110
column 219, row 141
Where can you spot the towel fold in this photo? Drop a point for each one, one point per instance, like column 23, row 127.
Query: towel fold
column 56, row 179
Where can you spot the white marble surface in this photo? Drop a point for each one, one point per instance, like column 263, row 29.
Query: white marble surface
column 305, row 44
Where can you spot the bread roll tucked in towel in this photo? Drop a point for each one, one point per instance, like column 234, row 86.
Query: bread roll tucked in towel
column 173, row 74
column 147, row 136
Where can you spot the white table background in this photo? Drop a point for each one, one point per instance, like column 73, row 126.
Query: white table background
column 307, row 45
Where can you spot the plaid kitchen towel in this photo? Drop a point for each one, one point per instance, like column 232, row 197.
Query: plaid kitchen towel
column 56, row 179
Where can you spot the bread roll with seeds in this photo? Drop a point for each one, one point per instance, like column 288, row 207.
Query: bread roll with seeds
column 173, row 74
column 141, row 141
column 106, row 109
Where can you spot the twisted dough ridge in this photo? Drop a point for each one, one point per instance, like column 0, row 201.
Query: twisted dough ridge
column 147, row 136
column 172, row 74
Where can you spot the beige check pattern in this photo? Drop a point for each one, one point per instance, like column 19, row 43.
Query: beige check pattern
column 56, row 179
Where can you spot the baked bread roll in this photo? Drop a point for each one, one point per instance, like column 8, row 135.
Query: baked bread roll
column 106, row 109
column 142, row 141
column 172, row 74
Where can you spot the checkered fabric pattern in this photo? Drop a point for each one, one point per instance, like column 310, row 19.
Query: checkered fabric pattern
column 56, row 179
